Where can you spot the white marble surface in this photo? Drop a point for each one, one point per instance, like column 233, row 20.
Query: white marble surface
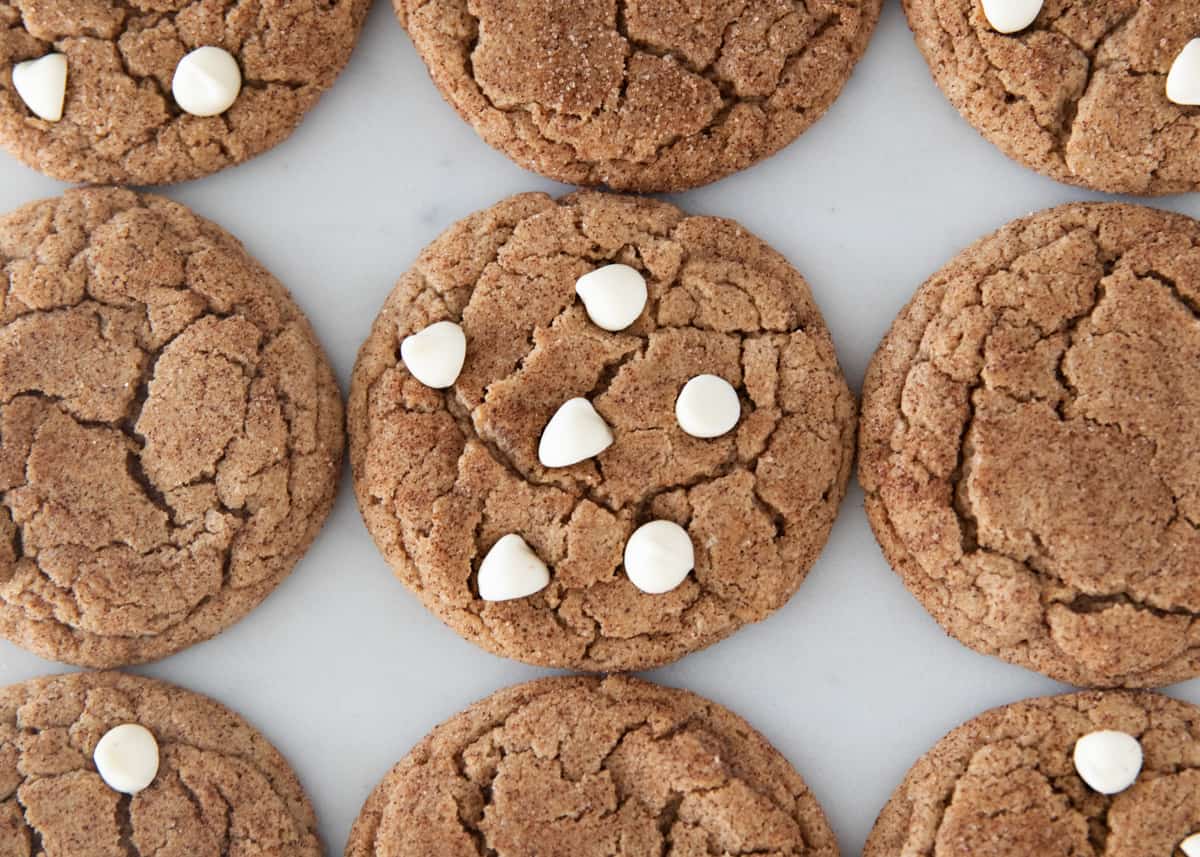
column 343, row 669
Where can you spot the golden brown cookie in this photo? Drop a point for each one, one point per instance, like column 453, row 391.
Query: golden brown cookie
column 592, row 767
column 443, row 475
column 1079, row 95
column 220, row 787
column 1006, row 784
column 121, row 122
column 640, row 95
column 1030, row 445
column 172, row 432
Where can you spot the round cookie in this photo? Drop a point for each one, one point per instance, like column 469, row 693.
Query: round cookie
column 442, row 476
column 220, row 787
column 1005, row 784
column 121, row 122
column 1080, row 95
column 172, row 432
column 1030, row 445
column 585, row 766
column 643, row 95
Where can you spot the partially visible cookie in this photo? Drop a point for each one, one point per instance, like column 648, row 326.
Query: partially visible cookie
column 123, row 106
column 1030, row 445
column 644, row 95
column 172, row 432
column 216, row 786
column 603, row 499
column 592, row 767
column 1030, row 779
column 1080, row 94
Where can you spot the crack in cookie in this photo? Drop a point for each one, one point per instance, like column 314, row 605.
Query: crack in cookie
column 170, row 432
column 442, row 475
column 586, row 766
column 1028, row 445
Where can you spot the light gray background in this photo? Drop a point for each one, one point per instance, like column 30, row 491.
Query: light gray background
column 344, row 670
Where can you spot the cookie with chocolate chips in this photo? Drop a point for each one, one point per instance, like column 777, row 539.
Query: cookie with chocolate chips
column 1079, row 92
column 643, row 95
column 111, row 91
column 1115, row 773
column 1030, row 445
column 592, row 767
column 534, row 460
column 214, row 785
column 172, row 432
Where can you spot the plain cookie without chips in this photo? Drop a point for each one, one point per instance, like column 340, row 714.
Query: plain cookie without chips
column 592, row 768
column 639, row 95
column 1080, row 95
column 442, row 475
column 1005, row 784
column 220, row 788
column 1030, row 445
column 121, row 123
column 172, row 433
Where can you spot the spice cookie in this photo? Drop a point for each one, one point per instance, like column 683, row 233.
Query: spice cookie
column 172, row 433
column 1114, row 773
column 1030, row 445
column 1075, row 89
column 150, row 92
column 641, row 95
column 585, row 766
column 598, row 433
column 97, row 764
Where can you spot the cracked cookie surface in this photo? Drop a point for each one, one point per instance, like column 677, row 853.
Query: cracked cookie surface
column 1080, row 95
column 1004, row 784
column 593, row 768
column 171, row 431
column 442, row 475
column 121, row 124
column 221, row 788
column 1030, row 445
column 641, row 95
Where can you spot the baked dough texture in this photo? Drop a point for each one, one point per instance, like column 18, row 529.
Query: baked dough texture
column 1030, row 445
column 442, row 475
column 639, row 95
column 221, row 788
column 1004, row 784
column 1080, row 95
column 171, row 431
column 121, row 124
column 592, row 768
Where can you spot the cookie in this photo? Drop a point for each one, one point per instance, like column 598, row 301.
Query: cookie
column 1079, row 92
column 213, row 784
column 171, row 431
column 1114, row 773
column 643, row 95
column 1030, row 445
column 150, row 93
column 530, row 474
column 585, row 766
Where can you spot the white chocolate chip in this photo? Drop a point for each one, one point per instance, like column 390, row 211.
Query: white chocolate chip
column 127, row 758
column 1183, row 81
column 575, row 432
column 614, row 296
column 42, row 85
column 658, row 556
column 1191, row 845
column 207, row 81
column 1108, row 761
column 707, row 406
column 1011, row 16
column 511, row 570
column 435, row 355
